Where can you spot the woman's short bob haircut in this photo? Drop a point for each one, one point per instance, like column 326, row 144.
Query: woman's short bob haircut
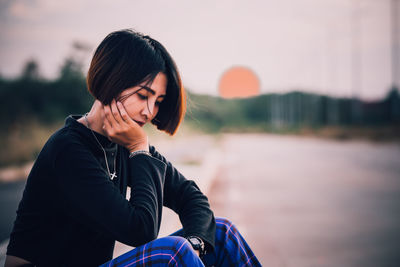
column 127, row 58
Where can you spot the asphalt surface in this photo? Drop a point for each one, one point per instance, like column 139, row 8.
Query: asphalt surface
column 297, row 201
column 308, row 202
column 10, row 195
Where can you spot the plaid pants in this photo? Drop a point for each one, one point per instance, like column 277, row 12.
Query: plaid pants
column 230, row 250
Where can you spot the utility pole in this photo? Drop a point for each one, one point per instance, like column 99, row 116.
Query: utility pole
column 394, row 99
column 356, row 64
column 395, row 57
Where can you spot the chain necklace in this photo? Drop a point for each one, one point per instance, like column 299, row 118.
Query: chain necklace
column 112, row 175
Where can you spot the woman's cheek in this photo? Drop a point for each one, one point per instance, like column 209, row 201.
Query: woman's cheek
column 128, row 109
column 155, row 112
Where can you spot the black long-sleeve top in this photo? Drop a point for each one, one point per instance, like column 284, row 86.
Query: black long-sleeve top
column 71, row 212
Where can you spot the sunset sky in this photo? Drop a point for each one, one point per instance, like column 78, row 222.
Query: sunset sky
column 289, row 44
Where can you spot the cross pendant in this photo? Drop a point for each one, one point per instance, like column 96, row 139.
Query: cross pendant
column 113, row 175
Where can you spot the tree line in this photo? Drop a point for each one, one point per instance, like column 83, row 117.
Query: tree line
column 294, row 110
column 32, row 97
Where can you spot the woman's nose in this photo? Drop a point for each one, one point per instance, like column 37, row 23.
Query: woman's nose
column 148, row 109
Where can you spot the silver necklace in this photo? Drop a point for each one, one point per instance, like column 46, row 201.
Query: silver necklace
column 112, row 175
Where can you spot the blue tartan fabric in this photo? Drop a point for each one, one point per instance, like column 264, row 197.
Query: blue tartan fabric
column 166, row 251
column 231, row 249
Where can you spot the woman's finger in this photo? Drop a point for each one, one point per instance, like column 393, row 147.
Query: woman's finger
column 106, row 125
column 108, row 115
column 124, row 113
column 108, row 129
column 115, row 112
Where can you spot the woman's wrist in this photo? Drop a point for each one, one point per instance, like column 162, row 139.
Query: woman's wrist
column 197, row 244
column 139, row 148
column 141, row 145
column 138, row 152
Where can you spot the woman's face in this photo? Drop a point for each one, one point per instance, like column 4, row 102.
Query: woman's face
column 142, row 101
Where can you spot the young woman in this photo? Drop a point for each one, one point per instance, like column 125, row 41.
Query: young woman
column 74, row 206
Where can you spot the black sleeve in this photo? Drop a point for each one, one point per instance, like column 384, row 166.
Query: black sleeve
column 185, row 198
column 92, row 199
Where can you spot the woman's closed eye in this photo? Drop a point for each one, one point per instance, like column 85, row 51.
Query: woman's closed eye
column 145, row 97
column 125, row 97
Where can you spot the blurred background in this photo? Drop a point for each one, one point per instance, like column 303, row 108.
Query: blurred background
column 293, row 119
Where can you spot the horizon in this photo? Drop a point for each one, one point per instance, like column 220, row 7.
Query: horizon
column 340, row 48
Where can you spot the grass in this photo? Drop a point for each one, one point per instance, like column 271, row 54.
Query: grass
column 23, row 142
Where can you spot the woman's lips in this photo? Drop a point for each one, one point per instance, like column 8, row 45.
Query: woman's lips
column 140, row 123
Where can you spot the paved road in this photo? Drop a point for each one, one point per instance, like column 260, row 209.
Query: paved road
column 300, row 201
column 309, row 202
column 10, row 195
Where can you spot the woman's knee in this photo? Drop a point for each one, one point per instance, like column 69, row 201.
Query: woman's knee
column 176, row 244
column 225, row 224
column 230, row 242
column 180, row 251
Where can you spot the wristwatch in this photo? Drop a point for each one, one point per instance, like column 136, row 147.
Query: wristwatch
column 197, row 244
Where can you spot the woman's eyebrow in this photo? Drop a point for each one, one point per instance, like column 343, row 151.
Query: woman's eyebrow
column 123, row 97
column 150, row 90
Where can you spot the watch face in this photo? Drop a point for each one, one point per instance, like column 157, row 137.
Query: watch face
column 194, row 241
column 197, row 244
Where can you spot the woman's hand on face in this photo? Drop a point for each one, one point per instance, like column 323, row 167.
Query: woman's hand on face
column 121, row 129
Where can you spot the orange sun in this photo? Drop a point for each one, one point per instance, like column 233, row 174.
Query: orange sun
column 239, row 82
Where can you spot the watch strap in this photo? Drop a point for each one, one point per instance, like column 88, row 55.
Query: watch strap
column 199, row 245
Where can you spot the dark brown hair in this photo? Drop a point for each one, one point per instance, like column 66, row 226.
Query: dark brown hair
column 127, row 58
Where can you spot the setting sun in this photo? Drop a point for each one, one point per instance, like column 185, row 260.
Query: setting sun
column 239, row 82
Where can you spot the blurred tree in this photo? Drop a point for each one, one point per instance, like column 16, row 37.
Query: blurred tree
column 31, row 70
column 71, row 69
column 393, row 103
column 81, row 46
